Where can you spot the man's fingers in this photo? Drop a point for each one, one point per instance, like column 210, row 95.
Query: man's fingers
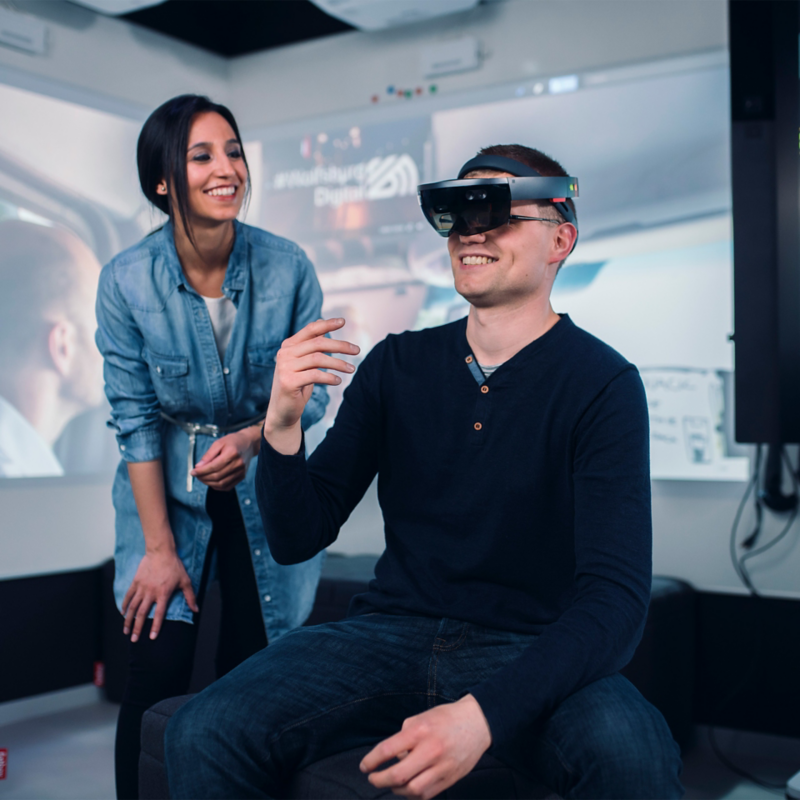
column 322, row 361
column 298, row 381
column 317, row 328
column 425, row 785
column 320, row 345
column 405, row 770
column 388, row 748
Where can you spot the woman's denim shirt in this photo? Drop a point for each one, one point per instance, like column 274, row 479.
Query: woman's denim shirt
column 155, row 334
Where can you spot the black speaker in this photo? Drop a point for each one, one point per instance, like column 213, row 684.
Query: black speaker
column 765, row 114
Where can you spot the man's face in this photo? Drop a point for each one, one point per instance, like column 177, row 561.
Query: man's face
column 82, row 368
column 510, row 264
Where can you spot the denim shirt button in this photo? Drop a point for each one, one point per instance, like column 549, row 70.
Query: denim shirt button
column 226, row 371
column 122, row 447
column 256, row 552
column 267, row 598
column 247, row 501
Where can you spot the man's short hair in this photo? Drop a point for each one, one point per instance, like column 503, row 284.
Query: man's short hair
column 39, row 277
column 537, row 160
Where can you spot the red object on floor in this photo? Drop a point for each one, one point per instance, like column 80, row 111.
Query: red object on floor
column 3, row 762
column 99, row 673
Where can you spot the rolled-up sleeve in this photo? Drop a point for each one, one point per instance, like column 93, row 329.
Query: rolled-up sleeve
column 134, row 406
column 308, row 307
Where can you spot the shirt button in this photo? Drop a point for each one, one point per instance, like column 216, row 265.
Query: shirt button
column 226, row 371
column 158, row 369
column 484, row 388
column 267, row 598
column 122, row 447
column 247, row 501
column 256, row 552
column 477, row 426
column 468, row 359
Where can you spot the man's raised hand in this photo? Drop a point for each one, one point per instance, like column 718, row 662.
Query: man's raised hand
column 298, row 366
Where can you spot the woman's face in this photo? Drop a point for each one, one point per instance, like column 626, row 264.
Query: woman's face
column 216, row 174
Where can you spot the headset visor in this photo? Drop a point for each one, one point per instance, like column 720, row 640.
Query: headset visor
column 478, row 205
column 467, row 209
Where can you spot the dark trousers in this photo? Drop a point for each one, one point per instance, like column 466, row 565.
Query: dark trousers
column 333, row 687
column 162, row 668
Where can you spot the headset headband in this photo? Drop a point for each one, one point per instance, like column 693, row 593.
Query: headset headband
column 517, row 168
column 501, row 164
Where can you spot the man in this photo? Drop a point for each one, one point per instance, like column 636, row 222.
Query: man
column 50, row 369
column 512, row 455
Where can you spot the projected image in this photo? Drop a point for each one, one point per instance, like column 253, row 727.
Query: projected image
column 60, row 219
column 651, row 274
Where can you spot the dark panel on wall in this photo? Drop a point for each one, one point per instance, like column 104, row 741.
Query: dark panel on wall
column 50, row 632
column 747, row 654
column 765, row 108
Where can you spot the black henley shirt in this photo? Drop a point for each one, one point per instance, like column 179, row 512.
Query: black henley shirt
column 522, row 503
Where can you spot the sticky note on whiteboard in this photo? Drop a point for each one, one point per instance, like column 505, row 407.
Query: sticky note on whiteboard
column 687, row 435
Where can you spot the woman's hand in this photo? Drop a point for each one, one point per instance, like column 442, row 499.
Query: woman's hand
column 159, row 574
column 225, row 463
column 298, row 366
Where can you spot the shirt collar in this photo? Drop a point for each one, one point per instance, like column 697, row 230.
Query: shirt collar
column 235, row 275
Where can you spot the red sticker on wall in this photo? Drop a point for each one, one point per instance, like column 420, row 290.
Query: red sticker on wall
column 3, row 762
column 99, row 673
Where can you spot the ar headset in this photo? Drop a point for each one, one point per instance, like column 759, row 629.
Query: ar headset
column 478, row 205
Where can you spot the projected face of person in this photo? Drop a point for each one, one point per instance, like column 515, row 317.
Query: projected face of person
column 216, row 174
column 71, row 346
column 512, row 264
column 50, row 368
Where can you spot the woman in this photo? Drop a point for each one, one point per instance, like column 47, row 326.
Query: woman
column 189, row 322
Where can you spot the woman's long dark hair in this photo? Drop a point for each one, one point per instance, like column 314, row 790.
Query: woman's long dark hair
column 161, row 153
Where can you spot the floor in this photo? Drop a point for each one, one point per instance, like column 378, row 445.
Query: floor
column 69, row 753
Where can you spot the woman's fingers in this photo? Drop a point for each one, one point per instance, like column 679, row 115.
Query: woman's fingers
column 213, row 452
column 158, row 617
column 188, row 593
column 141, row 616
column 208, row 466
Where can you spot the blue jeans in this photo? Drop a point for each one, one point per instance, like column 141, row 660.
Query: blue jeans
column 330, row 688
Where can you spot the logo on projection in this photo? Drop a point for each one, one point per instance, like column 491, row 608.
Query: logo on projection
column 376, row 179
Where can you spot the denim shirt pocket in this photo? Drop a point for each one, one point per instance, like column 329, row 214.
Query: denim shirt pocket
column 170, row 376
column 260, row 369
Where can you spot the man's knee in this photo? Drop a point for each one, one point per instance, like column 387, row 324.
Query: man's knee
column 619, row 745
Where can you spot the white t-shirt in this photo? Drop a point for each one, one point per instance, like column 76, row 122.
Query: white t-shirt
column 223, row 313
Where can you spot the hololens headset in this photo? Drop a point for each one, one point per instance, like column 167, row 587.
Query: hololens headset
column 478, row 205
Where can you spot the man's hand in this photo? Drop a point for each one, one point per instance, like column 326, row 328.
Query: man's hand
column 435, row 748
column 159, row 575
column 298, row 366
column 225, row 462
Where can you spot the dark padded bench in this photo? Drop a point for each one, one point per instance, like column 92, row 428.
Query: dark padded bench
column 662, row 669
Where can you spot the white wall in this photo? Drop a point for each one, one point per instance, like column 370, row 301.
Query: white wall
column 520, row 39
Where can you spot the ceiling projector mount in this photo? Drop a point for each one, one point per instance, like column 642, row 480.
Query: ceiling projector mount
column 117, row 7
column 376, row 15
